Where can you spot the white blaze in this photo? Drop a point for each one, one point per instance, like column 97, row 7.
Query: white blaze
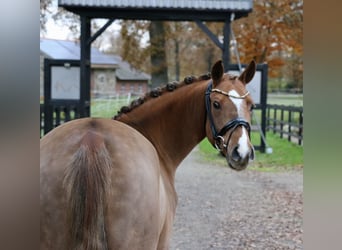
column 243, row 141
column 243, row 144
column 237, row 102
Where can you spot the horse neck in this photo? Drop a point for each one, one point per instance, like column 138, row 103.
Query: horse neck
column 173, row 122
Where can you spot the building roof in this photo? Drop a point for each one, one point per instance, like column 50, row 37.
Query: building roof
column 131, row 75
column 126, row 72
column 173, row 10
column 171, row 4
column 70, row 50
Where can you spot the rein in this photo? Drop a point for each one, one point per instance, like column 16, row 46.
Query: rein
column 232, row 124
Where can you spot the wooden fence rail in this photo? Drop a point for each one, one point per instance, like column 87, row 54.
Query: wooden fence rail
column 285, row 120
column 60, row 114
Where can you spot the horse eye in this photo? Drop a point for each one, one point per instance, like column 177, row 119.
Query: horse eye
column 217, row 105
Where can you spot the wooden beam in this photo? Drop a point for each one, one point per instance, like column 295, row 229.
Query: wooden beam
column 155, row 13
column 210, row 34
column 85, row 67
column 100, row 31
column 226, row 43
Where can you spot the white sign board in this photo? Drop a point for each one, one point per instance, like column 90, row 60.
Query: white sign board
column 65, row 83
column 254, row 86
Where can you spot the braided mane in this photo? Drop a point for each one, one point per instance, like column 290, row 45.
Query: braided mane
column 169, row 87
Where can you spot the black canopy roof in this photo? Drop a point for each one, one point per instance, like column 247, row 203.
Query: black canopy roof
column 172, row 10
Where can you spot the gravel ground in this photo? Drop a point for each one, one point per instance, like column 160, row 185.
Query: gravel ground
column 219, row 208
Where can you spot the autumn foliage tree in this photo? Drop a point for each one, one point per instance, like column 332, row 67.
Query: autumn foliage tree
column 273, row 34
column 184, row 49
column 190, row 51
column 159, row 66
column 149, row 56
column 132, row 49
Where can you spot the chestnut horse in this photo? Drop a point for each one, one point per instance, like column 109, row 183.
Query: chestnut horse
column 109, row 184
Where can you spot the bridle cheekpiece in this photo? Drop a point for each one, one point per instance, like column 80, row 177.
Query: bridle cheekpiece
column 230, row 125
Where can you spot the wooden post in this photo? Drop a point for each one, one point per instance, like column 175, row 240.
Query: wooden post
column 85, row 67
column 300, row 132
column 289, row 123
column 274, row 119
column 281, row 123
column 226, row 47
column 48, row 110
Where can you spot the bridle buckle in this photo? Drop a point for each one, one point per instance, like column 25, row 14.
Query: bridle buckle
column 219, row 141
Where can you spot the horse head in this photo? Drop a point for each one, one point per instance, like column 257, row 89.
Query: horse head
column 229, row 107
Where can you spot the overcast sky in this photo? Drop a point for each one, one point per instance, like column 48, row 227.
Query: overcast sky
column 62, row 32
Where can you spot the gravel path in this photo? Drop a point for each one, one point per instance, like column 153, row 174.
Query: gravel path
column 219, row 208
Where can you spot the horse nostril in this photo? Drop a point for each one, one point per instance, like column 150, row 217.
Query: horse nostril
column 235, row 154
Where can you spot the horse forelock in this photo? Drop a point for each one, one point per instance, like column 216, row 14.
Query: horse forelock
column 232, row 77
column 159, row 91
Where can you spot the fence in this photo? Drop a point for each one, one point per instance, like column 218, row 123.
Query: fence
column 60, row 114
column 285, row 120
column 66, row 110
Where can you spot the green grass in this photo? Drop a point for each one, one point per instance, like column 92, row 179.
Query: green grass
column 286, row 155
column 285, row 99
column 106, row 108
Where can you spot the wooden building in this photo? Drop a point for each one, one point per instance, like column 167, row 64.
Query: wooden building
column 110, row 75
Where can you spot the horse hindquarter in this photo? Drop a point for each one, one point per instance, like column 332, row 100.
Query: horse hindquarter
column 99, row 188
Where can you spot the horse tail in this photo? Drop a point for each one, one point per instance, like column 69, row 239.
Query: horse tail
column 86, row 181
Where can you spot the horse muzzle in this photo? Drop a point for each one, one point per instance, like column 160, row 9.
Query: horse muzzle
column 239, row 160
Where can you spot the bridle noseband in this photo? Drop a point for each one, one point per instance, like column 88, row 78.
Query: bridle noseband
column 230, row 125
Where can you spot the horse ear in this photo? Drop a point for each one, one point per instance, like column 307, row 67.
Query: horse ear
column 248, row 74
column 217, row 72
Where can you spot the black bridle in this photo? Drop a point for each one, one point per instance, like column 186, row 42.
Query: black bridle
column 230, row 125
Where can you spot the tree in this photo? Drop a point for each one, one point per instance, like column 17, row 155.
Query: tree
column 49, row 9
column 133, row 49
column 190, row 51
column 183, row 47
column 158, row 53
column 135, row 52
column 44, row 12
column 272, row 33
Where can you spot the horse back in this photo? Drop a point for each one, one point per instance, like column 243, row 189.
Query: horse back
column 100, row 187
